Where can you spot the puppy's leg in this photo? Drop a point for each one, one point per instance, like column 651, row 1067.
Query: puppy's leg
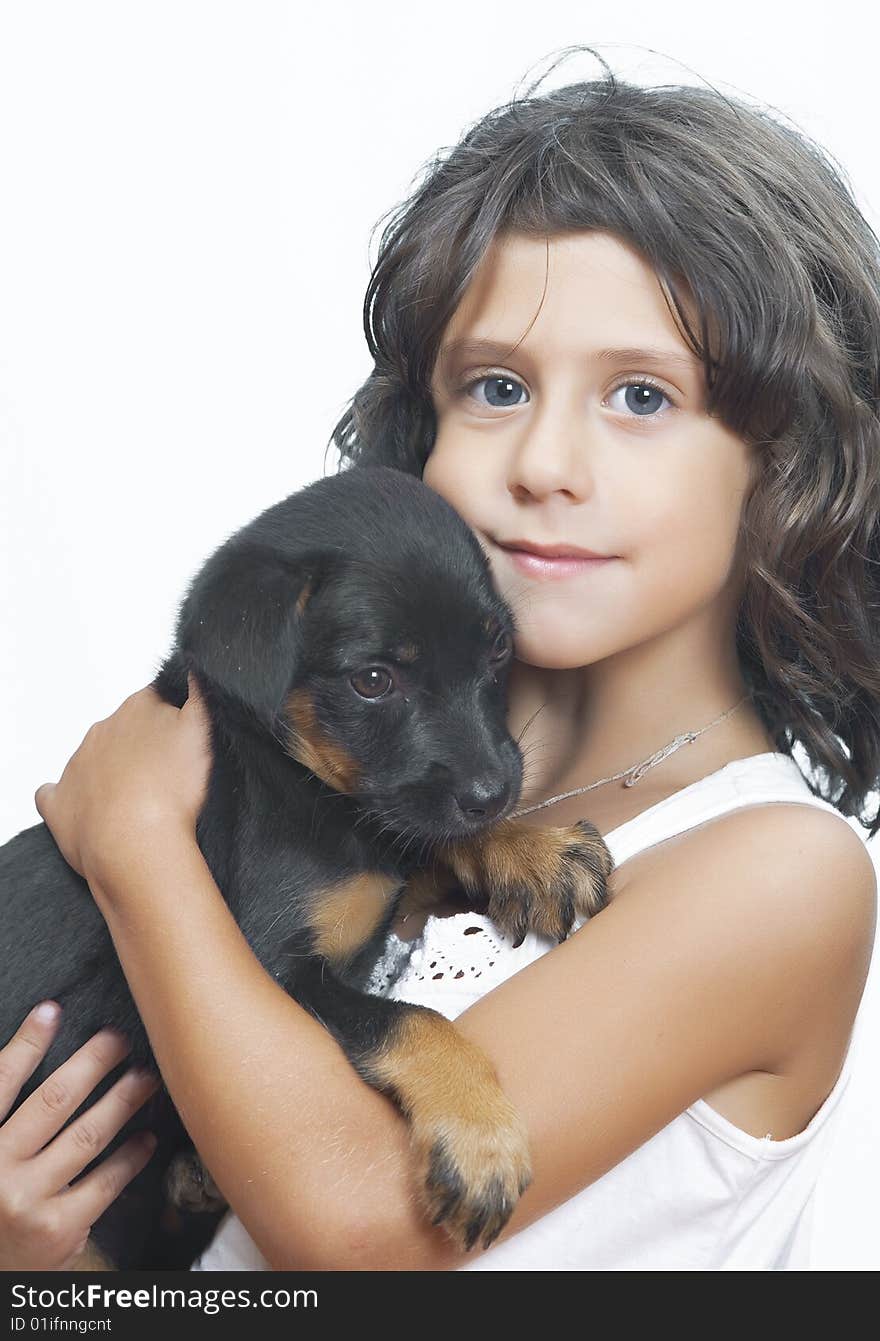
column 426, row 888
column 471, row 1146
column 532, row 879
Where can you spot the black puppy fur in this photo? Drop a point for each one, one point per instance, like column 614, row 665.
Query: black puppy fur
column 353, row 653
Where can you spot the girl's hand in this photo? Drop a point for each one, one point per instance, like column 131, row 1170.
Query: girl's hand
column 137, row 776
column 44, row 1223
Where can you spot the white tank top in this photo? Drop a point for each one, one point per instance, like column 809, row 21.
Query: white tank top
column 701, row 1194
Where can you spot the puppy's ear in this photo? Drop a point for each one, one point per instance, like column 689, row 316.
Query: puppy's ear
column 240, row 626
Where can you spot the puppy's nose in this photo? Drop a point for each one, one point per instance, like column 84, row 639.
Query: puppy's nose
column 483, row 800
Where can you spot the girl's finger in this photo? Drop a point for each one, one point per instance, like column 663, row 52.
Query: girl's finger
column 23, row 1053
column 90, row 1197
column 43, row 798
column 44, row 1113
column 93, row 1130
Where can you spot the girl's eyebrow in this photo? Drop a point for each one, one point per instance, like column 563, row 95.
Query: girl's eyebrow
column 472, row 348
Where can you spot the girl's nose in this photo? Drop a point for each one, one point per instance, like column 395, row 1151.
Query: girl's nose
column 554, row 453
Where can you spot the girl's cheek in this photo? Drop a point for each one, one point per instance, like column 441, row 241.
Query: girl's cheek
column 441, row 475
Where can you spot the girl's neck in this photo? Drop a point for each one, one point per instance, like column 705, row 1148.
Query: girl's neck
column 577, row 726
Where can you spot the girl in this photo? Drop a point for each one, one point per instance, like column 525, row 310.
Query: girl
column 640, row 323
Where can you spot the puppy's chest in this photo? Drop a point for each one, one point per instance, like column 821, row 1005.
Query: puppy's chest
column 294, row 896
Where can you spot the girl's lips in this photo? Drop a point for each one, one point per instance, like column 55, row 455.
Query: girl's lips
column 537, row 566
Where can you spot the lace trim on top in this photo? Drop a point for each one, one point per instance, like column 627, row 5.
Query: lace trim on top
column 465, row 950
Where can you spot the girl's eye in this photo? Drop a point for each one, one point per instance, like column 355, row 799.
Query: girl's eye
column 642, row 397
column 498, row 385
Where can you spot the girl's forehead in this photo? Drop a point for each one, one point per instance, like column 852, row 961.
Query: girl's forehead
column 583, row 292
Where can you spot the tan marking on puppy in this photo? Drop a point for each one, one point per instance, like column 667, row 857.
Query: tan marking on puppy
column 407, row 654
column 471, row 1145
column 343, row 918
column 311, row 747
column 305, row 595
column 189, row 1186
column 535, row 879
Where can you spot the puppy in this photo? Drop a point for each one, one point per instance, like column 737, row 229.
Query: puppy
column 353, row 655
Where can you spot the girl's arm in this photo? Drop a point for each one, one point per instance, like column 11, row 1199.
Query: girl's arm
column 720, row 963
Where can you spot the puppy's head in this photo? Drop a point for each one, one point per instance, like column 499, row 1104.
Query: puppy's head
column 357, row 624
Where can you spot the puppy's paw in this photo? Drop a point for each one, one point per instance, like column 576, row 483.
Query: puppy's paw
column 473, row 1168
column 542, row 879
column 471, row 1146
column 189, row 1186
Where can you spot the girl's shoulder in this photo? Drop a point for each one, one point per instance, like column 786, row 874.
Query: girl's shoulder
column 755, row 827
column 797, row 867
column 804, row 875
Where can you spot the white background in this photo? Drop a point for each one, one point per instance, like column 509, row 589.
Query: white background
column 188, row 190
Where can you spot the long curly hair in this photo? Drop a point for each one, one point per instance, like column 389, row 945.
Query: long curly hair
column 753, row 227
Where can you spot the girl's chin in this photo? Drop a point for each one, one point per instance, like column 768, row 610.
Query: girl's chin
column 547, row 653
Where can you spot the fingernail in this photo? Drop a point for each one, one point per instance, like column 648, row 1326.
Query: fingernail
column 47, row 1011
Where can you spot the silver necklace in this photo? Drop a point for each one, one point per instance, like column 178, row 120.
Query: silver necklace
column 636, row 771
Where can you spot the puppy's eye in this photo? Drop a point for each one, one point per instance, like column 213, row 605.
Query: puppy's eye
column 502, row 648
column 372, row 682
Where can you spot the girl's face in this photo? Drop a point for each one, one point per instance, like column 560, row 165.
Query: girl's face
column 578, row 438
